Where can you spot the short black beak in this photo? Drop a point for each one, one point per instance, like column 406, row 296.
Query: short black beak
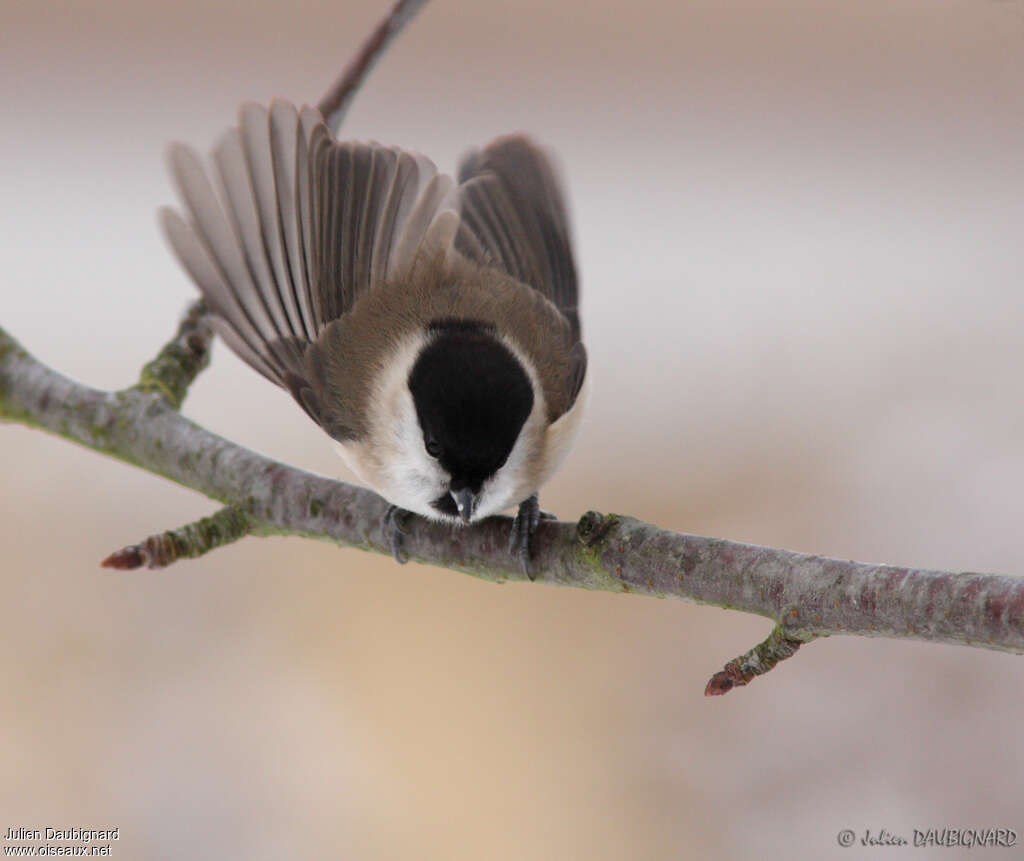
column 465, row 501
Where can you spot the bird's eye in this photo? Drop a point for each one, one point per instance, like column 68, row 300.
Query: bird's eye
column 433, row 447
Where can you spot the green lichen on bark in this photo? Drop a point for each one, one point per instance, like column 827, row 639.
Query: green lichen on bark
column 593, row 533
column 176, row 366
column 780, row 644
column 190, row 541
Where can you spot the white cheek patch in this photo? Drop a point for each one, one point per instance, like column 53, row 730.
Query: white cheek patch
column 560, row 436
column 412, row 473
column 511, row 484
column 392, row 459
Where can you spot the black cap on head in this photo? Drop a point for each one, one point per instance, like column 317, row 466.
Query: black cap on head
column 472, row 398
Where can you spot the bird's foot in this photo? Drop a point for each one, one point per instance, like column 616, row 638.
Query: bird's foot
column 394, row 522
column 525, row 524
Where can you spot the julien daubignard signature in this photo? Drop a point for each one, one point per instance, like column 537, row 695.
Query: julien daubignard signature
column 945, row 837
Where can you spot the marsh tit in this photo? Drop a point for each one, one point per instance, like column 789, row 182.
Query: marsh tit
column 428, row 325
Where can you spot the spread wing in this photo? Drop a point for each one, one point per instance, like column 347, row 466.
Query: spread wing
column 297, row 227
column 513, row 216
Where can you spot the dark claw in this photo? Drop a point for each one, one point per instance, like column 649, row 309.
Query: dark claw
column 394, row 527
column 523, row 527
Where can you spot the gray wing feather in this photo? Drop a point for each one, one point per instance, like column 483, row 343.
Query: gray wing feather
column 433, row 205
column 256, row 135
column 235, row 296
column 284, row 151
column 310, row 130
column 298, row 227
column 513, row 214
column 243, row 212
column 208, row 276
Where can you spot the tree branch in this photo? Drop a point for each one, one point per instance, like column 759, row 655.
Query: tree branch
column 334, row 105
column 806, row 596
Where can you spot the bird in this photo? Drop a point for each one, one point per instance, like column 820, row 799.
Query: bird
column 428, row 324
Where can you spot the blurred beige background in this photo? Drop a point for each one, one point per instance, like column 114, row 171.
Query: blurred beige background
column 799, row 232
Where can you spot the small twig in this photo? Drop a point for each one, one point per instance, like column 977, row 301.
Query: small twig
column 180, row 360
column 158, row 551
column 334, row 104
column 759, row 660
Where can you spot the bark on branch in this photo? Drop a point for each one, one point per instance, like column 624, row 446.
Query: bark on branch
column 806, row 596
